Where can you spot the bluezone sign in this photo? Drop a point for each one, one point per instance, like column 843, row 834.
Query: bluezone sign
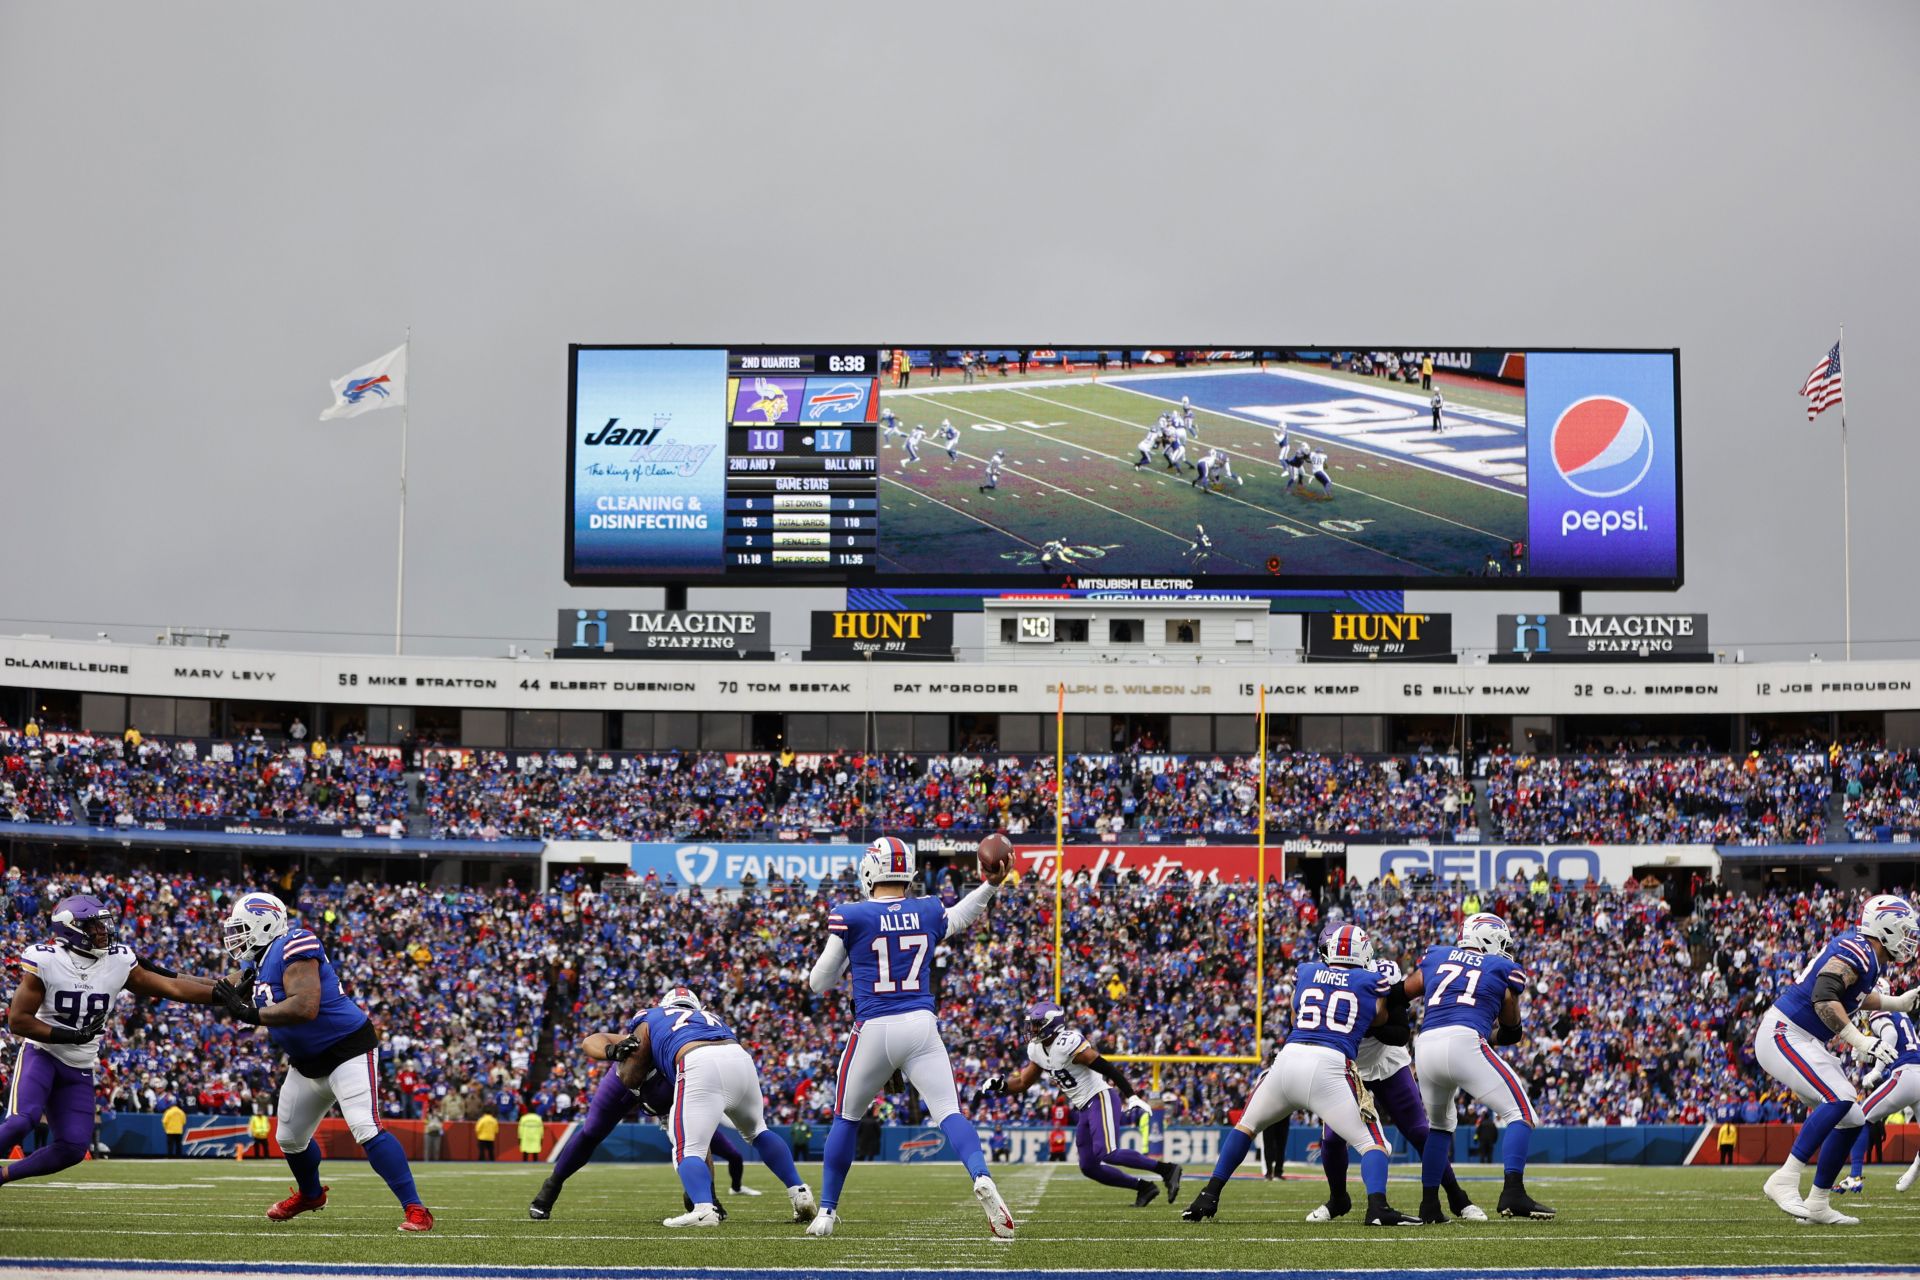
column 724, row 866
column 1490, row 866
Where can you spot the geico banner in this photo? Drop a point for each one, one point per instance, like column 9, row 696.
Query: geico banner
column 725, row 866
column 1491, row 866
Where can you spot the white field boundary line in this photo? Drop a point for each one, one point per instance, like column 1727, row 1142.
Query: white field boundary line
column 1271, row 465
column 1411, row 460
column 1312, row 530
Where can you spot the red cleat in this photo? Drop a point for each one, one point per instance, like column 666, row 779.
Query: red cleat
column 296, row 1204
column 418, row 1219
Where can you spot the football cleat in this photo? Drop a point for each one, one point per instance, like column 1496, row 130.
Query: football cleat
column 1173, row 1183
column 1516, row 1203
column 1906, row 1179
column 417, row 1219
column 1336, row 1207
column 1819, row 1211
column 542, row 1207
column 744, row 1190
column 1146, row 1195
column 1783, row 1188
column 1388, row 1216
column 999, row 1217
column 1850, row 1185
column 701, row 1215
column 296, row 1204
column 801, row 1199
column 1431, row 1216
column 822, row 1224
column 1204, row 1206
column 1471, row 1212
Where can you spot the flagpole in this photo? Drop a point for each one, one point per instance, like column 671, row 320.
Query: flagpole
column 1846, row 505
column 400, row 575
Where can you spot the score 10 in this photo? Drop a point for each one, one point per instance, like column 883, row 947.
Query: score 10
column 819, row 439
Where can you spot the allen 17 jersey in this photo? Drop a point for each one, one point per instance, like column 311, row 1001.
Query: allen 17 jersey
column 889, row 944
column 1333, row 1006
column 1796, row 1001
column 78, row 990
column 339, row 1016
column 671, row 1030
column 1465, row 988
column 1082, row 1084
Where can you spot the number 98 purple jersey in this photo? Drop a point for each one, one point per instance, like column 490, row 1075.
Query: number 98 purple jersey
column 1333, row 1005
column 889, row 944
column 1465, row 988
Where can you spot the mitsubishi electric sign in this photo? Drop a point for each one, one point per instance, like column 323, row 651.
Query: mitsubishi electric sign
column 663, row 633
column 1601, row 637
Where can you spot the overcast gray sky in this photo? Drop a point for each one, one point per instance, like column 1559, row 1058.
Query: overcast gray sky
column 208, row 209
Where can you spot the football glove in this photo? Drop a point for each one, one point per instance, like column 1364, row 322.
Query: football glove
column 87, row 1031
column 1884, row 1052
column 229, row 999
column 621, row 1050
column 994, row 1084
column 1134, row 1105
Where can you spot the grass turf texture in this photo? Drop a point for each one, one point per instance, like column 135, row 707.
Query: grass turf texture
column 899, row 1216
column 1069, row 474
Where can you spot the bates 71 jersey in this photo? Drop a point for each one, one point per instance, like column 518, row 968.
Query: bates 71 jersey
column 79, row 989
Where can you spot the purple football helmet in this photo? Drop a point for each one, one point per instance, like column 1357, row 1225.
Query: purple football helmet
column 84, row 924
column 1046, row 1020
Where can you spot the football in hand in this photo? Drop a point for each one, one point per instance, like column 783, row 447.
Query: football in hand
column 996, row 857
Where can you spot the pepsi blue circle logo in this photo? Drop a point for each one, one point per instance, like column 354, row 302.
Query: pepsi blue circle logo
column 1602, row 446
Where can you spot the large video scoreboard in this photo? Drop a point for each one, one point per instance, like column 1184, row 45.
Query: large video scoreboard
column 998, row 468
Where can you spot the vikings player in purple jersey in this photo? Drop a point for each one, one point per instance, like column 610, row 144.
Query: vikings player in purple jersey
column 1791, row 1045
column 614, row 1101
column 1099, row 1092
column 60, row 1010
column 1387, row 1069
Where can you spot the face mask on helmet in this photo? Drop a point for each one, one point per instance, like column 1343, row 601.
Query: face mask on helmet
column 252, row 925
column 1046, row 1021
column 83, row 924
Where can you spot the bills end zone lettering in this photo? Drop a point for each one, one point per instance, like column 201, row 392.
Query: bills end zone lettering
column 1603, row 492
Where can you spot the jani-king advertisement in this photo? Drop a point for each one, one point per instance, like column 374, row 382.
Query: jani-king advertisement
column 1603, row 465
column 649, row 461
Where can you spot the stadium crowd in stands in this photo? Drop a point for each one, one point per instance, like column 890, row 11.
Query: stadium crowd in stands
column 1638, row 1015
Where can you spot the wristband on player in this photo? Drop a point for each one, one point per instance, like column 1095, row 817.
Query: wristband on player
column 1856, row 1037
column 57, row 1034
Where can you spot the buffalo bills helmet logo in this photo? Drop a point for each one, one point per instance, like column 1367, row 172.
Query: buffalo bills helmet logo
column 360, row 388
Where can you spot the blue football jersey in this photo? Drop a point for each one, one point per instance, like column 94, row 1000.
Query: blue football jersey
column 1899, row 1028
column 1796, row 1000
column 1333, row 1005
column 890, row 944
column 1465, row 988
column 338, row 1017
column 671, row 1030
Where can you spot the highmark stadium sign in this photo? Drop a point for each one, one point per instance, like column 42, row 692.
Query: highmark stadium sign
column 1601, row 637
column 628, row 633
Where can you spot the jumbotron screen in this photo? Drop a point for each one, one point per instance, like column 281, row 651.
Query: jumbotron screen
column 999, row 468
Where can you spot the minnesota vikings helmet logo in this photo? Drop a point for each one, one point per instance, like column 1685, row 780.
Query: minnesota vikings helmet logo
column 771, row 402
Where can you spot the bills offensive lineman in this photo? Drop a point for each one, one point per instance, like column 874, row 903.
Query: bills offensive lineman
column 1791, row 1044
column 950, row 439
column 1891, row 1086
column 1214, row 473
column 1388, row 1068
column 288, row 986
column 60, row 1009
column 712, row 1075
column 887, row 942
column 1336, row 999
column 1099, row 1092
column 1468, row 986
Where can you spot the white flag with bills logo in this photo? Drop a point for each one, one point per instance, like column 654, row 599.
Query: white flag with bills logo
column 374, row 385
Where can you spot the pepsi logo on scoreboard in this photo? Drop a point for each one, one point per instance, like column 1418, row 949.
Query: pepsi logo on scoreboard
column 1603, row 465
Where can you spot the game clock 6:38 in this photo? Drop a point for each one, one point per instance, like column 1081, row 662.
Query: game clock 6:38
column 846, row 364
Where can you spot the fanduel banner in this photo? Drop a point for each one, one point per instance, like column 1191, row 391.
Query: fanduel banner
column 842, row 635
column 724, row 866
column 686, row 633
column 1492, row 866
column 1379, row 637
column 1600, row 637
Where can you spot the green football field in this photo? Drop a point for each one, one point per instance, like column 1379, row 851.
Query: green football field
column 1069, row 475
column 922, row 1215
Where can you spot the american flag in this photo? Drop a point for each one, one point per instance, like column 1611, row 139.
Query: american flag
column 1822, row 387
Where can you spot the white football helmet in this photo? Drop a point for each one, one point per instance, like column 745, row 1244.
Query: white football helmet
column 1879, row 900
column 680, row 998
column 1894, row 926
column 888, row 860
column 1388, row 969
column 1347, row 945
column 1487, row 932
column 252, row 923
